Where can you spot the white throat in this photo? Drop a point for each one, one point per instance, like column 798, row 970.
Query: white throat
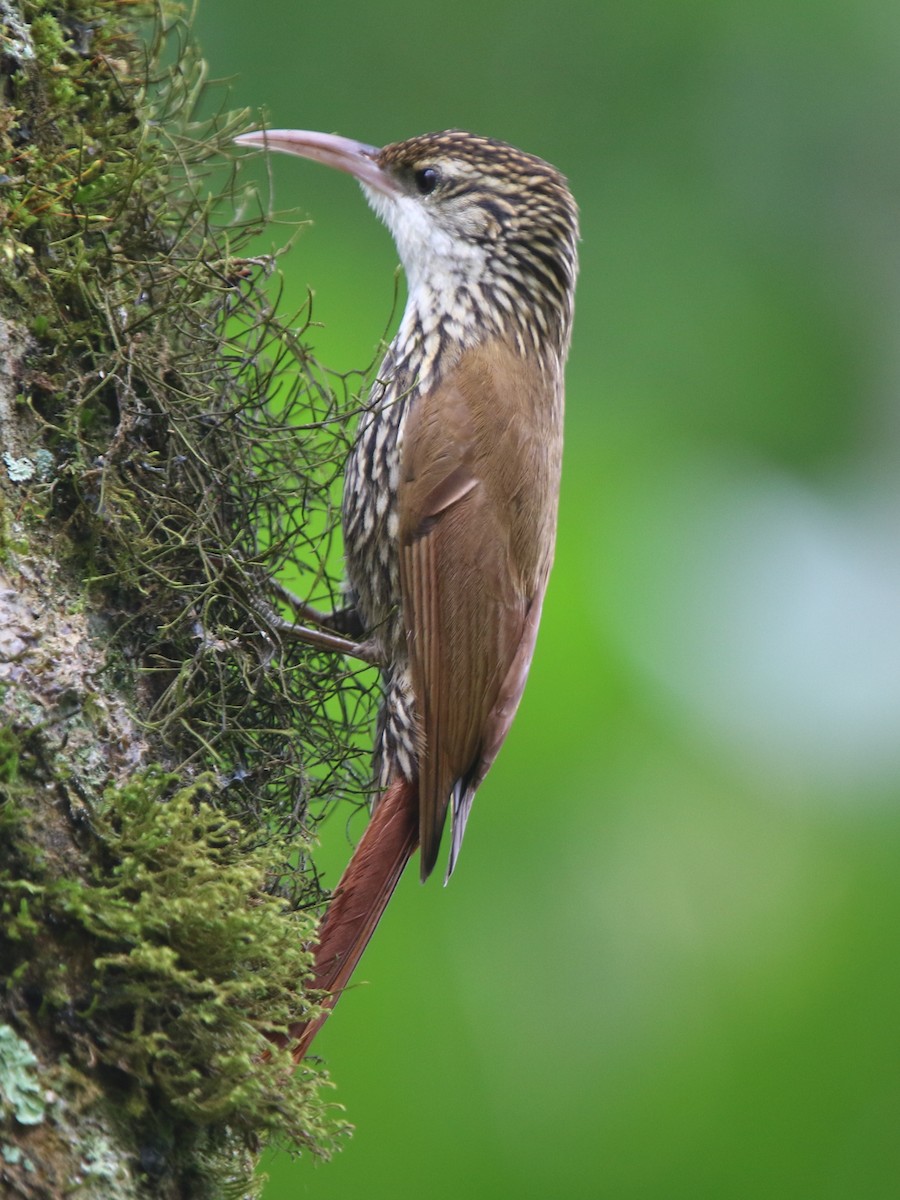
column 431, row 256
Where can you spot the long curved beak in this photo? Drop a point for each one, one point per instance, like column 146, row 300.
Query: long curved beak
column 356, row 158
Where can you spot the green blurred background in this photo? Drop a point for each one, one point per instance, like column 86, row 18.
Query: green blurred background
column 668, row 964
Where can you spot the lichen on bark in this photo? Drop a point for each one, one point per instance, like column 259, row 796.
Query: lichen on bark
column 164, row 755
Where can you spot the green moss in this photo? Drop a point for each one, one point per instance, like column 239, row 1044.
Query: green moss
column 189, row 929
column 12, row 538
column 9, row 757
column 52, row 50
column 187, row 961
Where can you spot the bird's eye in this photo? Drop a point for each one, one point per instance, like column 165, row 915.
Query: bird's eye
column 426, row 180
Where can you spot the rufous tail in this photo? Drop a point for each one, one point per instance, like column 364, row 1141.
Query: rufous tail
column 359, row 899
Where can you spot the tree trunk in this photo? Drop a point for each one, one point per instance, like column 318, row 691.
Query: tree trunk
column 162, row 753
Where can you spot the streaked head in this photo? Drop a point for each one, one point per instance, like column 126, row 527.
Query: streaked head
column 465, row 212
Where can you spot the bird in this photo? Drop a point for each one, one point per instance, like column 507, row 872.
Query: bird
column 450, row 491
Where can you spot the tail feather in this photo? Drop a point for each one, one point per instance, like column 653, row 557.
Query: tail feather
column 463, row 795
column 361, row 897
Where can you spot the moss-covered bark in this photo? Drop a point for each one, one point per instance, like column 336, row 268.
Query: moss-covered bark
column 162, row 754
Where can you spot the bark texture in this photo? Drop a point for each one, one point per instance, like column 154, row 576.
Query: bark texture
column 162, row 754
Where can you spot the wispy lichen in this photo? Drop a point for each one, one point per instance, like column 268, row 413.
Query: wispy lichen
column 197, row 446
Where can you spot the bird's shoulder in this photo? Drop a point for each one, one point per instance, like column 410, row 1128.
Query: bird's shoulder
column 491, row 423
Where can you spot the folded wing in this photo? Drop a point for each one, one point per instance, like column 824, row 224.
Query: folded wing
column 477, row 512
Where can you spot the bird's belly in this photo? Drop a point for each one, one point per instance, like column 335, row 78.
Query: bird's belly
column 369, row 514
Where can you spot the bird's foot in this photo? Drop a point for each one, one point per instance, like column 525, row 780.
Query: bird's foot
column 324, row 630
column 365, row 651
column 342, row 621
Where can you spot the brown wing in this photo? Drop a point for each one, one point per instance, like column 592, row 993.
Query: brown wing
column 477, row 513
